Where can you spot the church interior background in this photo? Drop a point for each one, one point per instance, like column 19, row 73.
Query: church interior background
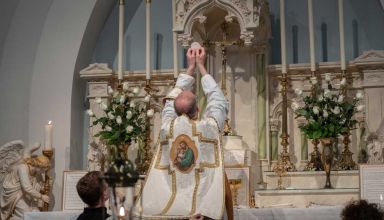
column 57, row 57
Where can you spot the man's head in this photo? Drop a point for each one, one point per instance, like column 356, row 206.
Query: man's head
column 92, row 190
column 362, row 210
column 185, row 103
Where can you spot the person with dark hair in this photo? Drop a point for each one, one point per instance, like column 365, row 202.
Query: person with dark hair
column 362, row 210
column 93, row 191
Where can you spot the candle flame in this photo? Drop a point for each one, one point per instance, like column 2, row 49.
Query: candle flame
column 49, row 122
column 381, row 197
column 122, row 211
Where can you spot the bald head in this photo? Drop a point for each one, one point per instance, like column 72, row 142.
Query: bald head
column 185, row 103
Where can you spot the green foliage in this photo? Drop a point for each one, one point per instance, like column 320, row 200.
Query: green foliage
column 327, row 113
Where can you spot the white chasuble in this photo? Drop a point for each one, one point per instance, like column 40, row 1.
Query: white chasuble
column 186, row 175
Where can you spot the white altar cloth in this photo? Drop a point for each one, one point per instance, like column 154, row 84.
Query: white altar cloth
column 315, row 213
column 67, row 215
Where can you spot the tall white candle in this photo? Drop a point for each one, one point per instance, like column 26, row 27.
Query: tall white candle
column 175, row 54
column 311, row 35
column 341, row 30
column 121, row 41
column 282, row 38
column 48, row 136
column 148, row 39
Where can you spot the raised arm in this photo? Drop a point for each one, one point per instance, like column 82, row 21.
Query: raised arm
column 184, row 82
column 217, row 106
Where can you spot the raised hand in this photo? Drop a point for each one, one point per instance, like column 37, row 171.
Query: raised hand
column 45, row 198
column 200, row 60
column 200, row 56
column 191, row 59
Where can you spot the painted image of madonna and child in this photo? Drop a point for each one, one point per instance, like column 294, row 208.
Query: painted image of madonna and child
column 184, row 158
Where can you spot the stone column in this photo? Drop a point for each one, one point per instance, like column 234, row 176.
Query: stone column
column 303, row 144
column 261, row 81
column 274, row 130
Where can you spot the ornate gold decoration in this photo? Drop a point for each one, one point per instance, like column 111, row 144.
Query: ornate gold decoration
column 315, row 162
column 235, row 185
column 327, row 160
column 143, row 163
column 346, row 162
column 280, row 169
column 284, row 159
column 48, row 153
column 252, row 202
column 173, row 195
column 227, row 128
column 197, row 183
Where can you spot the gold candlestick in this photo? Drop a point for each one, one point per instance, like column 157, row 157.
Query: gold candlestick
column 315, row 162
column 280, row 170
column 284, row 155
column 346, row 160
column 143, row 160
column 47, row 182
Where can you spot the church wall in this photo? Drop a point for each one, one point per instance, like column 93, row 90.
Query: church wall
column 363, row 21
column 55, row 93
column 134, row 49
column 21, row 23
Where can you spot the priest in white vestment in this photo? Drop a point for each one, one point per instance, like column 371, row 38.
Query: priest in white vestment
column 186, row 178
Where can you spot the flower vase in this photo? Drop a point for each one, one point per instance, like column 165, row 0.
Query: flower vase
column 327, row 159
column 121, row 177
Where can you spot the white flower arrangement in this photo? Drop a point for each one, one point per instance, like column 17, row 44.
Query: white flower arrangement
column 327, row 112
column 125, row 116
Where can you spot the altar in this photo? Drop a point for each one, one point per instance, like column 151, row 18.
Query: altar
column 313, row 213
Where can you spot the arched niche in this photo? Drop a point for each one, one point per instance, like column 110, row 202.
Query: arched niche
column 250, row 15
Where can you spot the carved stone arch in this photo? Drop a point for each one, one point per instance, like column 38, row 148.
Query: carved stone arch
column 242, row 10
column 276, row 109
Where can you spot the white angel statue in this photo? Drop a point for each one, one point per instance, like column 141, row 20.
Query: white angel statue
column 21, row 180
column 375, row 146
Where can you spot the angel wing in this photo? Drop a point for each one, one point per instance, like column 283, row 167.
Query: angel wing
column 10, row 154
column 380, row 132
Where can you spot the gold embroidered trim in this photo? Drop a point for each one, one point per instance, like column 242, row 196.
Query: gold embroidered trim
column 170, row 135
column 209, row 141
column 173, row 195
column 197, row 183
column 223, row 171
